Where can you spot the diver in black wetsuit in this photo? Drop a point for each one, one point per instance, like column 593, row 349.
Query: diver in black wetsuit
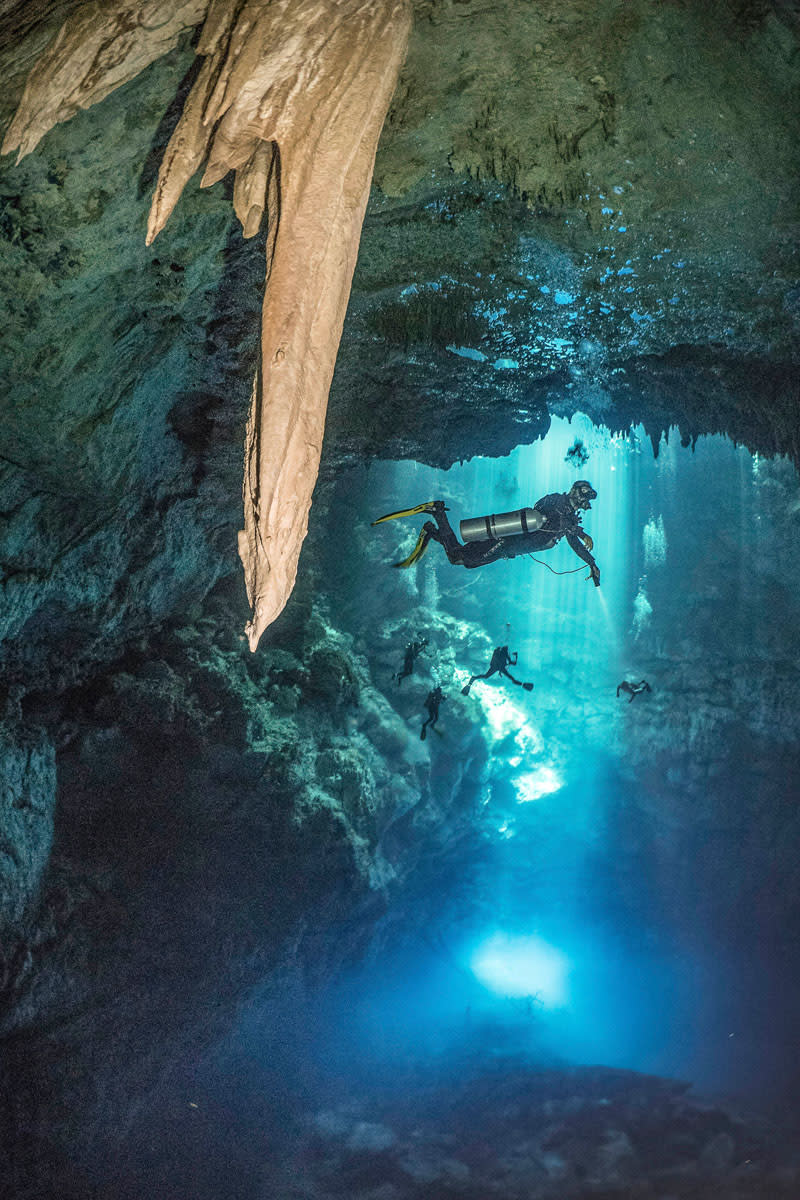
column 634, row 688
column 432, row 702
column 413, row 651
column 501, row 660
column 553, row 517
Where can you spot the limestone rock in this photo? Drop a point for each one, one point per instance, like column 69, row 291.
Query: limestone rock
column 292, row 96
column 100, row 47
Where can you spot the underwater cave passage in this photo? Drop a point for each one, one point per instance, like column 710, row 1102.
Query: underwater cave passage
column 585, row 881
column 627, row 832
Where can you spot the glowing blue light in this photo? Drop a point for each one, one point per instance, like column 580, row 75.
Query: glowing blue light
column 522, row 966
column 505, row 717
column 535, row 784
column 467, row 352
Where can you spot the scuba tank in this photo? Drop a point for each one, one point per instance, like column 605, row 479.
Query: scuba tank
column 500, row 525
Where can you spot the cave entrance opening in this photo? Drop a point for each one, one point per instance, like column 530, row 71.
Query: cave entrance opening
column 625, row 832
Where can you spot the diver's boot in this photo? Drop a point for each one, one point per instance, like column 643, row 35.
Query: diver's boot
column 423, row 734
column 528, row 687
column 465, row 689
column 418, row 551
column 430, row 506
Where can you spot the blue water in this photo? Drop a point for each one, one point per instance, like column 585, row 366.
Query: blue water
column 601, row 933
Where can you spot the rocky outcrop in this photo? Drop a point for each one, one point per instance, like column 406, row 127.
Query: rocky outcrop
column 217, row 813
column 487, row 304
column 512, row 1131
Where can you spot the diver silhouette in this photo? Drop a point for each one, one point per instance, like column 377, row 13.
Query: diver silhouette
column 634, row 688
column 432, row 701
column 413, row 651
column 506, row 535
column 501, row 660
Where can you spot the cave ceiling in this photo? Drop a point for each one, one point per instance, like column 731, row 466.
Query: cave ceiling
column 575, row 207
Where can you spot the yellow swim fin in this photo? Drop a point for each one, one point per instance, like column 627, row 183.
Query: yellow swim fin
column 587, row 541
column 407, row 512
column 418, row 551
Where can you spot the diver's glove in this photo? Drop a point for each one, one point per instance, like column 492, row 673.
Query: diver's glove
column 595, row 575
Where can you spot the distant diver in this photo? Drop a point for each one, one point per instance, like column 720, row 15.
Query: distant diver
column 501, row 660
column 507, row 535
column 413, row 651
column 577, row 455
column 432, row 701
column 633, row 688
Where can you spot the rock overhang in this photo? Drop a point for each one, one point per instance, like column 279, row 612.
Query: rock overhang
column 597, row 209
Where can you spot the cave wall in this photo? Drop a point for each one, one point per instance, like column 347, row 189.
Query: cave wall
column 121, row 454
column 638, row 261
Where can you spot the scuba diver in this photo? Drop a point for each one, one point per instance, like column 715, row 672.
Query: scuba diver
column 506, row 535
column 501, row 660
column 633, row 688
column 432, row 701
column 413, row 651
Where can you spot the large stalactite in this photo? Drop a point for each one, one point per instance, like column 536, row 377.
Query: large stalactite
column 292, row 97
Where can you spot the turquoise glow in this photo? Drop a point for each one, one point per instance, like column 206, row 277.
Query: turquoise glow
column 523, row 967
column 596, row 825
column 571, row 637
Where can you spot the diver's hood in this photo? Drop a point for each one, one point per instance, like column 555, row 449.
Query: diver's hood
column 581, row 493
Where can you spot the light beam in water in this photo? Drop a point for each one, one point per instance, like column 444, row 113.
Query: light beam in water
column 522, row 966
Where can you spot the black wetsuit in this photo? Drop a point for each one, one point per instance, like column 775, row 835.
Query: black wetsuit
column 633, row 688
column 432, row 702
column 413, row 651
column 501, row 660
column 561, row 520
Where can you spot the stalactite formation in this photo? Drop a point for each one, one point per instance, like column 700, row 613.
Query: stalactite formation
column 100, row 46
column 292, row 96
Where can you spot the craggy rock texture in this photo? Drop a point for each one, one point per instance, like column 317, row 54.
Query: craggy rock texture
column 527, row 1135
column 640, row 261
column 99, row 47
column 676, row 306
column 292, row 97
column 120, row 463
column 221, row 817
